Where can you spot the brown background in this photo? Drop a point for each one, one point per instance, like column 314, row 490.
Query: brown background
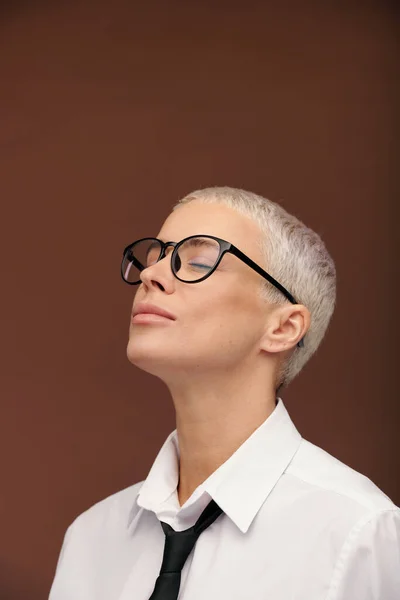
column 109, row 113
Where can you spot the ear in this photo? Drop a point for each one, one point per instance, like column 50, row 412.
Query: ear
column 286, row 325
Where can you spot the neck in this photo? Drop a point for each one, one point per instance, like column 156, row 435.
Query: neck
column 213, row 419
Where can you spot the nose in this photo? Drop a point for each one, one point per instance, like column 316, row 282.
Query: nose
column 159, row 273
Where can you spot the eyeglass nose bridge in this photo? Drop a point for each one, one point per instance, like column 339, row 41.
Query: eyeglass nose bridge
column 164, row 246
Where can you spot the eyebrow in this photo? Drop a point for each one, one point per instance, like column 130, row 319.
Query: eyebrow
column 200, row 242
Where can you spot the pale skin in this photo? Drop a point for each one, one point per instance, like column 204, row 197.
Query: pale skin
column 220, row 357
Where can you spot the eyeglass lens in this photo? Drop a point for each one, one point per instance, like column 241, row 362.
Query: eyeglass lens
column 195, row 258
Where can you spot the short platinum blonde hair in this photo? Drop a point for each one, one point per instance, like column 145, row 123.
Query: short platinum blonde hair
column 294, row 255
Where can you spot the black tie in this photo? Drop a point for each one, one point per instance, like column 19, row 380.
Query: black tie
column 178, row 545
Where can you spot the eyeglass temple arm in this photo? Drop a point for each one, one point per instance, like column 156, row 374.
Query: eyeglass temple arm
column 133, row 259
column 269, row 277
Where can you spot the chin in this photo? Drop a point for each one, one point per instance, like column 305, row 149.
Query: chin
column 156, row 358
column 145, row 354
column 150, row 364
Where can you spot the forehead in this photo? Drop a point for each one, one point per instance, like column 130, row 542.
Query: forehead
column 220, row 220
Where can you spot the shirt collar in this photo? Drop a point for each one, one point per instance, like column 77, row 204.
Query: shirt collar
column 242, row 483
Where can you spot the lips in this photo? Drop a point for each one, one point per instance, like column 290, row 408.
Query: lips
column 145, row 308
column 143, row 318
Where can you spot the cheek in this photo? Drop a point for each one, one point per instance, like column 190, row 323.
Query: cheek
column 229, row 316
column 239, row 302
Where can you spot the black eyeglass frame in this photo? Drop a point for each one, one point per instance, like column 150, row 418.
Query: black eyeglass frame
column 224, row 247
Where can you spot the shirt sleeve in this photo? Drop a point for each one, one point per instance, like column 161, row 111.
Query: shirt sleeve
column 60, row 560
column 368, row 567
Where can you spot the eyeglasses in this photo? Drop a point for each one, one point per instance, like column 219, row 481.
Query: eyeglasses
column 195, row 258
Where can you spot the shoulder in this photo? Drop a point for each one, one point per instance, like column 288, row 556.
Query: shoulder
column 327, row 475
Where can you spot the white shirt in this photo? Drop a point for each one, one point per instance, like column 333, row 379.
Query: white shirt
column 297, row 524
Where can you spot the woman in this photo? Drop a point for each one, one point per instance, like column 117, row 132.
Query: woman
column 235, row 295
